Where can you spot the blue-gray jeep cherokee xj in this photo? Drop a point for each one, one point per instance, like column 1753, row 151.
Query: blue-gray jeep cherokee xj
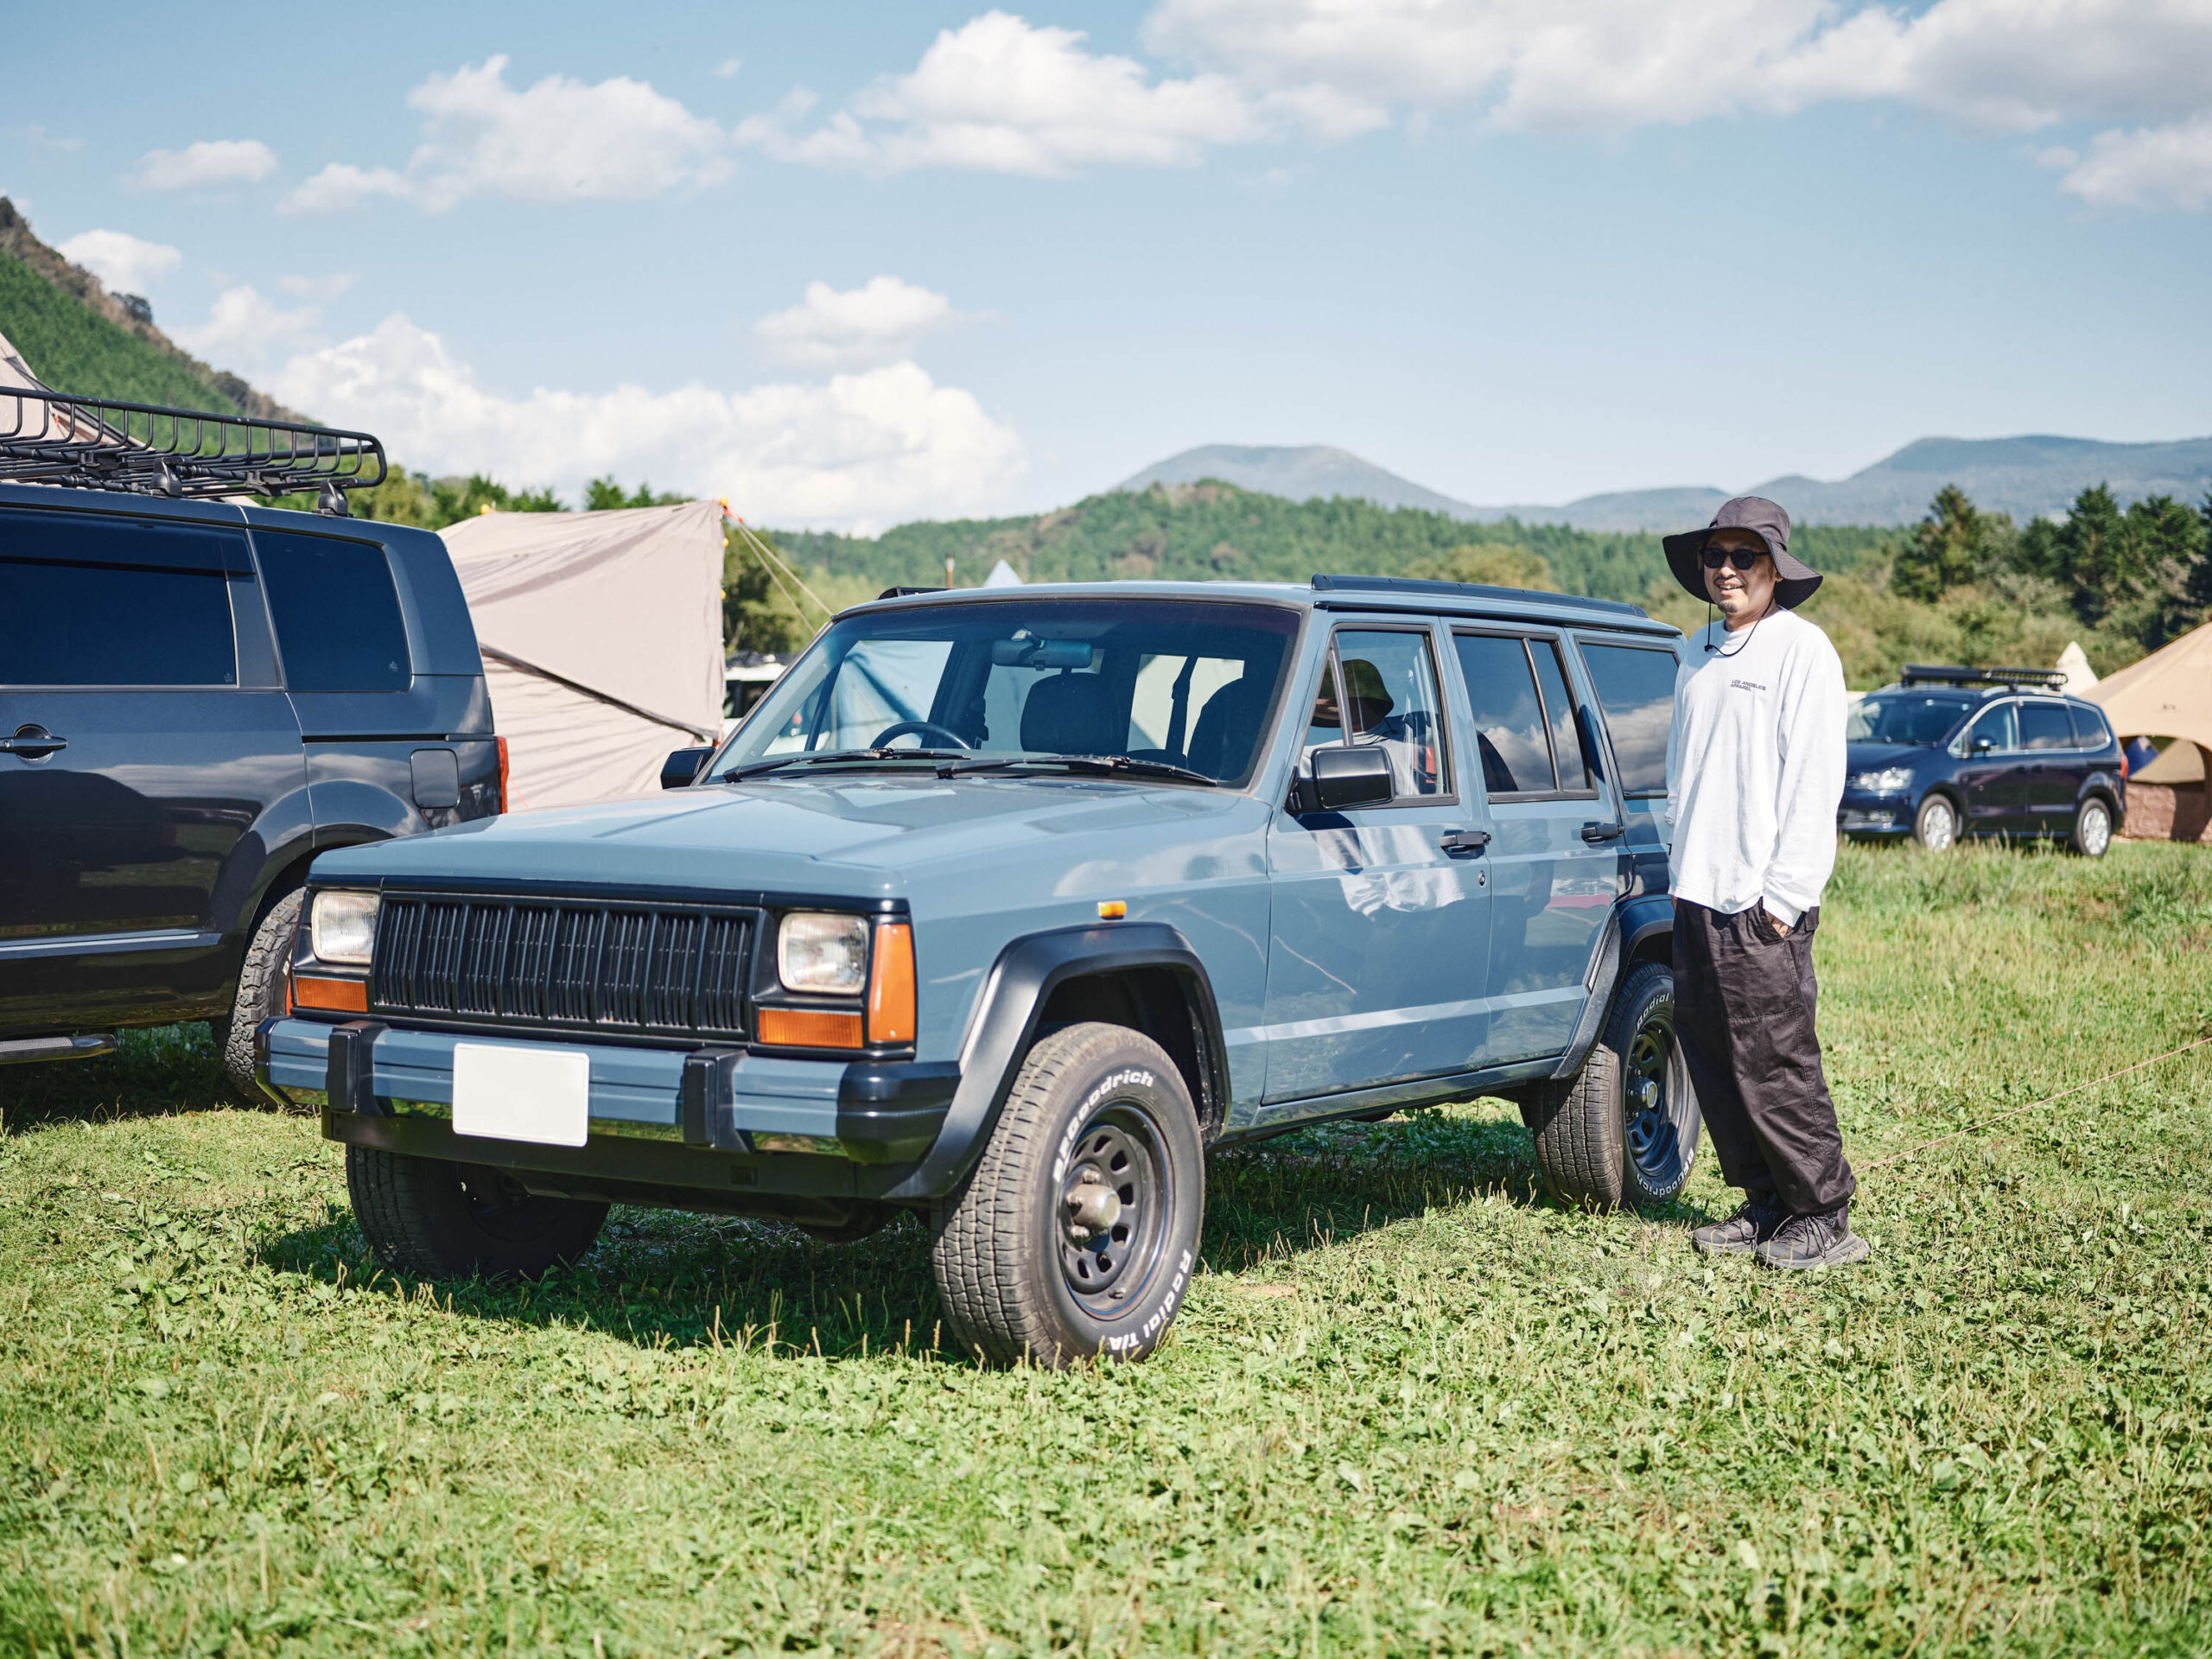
column 1002, row 907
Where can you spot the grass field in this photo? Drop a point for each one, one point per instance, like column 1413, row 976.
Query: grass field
column 1409, row 1409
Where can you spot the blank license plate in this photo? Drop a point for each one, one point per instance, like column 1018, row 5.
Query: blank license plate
column 522, row 1094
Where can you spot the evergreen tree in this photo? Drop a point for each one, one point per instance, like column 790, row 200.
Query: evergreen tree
column 1952, row 546
column 2093, row 556
column 2166, row 544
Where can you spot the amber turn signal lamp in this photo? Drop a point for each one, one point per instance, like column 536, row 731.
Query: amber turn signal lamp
column 502, row 742
column 337, row 996
column 891, row 985
column 808, row 1028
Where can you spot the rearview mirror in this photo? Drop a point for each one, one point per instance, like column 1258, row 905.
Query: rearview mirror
column 1354, row 775
column 1042, row 653
column 681, row 767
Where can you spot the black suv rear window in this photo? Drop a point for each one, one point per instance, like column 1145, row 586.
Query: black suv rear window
column 1636, row 689
column 336, row 612
column 2045, row 726
column 92, row 600
column 2090, row 731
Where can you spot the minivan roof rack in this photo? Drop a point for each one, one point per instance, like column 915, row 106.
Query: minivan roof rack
column 101, row 443
column 906, row 593
column 2042, row 679
column 1326, row 584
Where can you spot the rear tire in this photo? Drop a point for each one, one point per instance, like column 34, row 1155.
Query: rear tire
column 2092, row 833
column 1077, row 1234
column 431, row 1219
column 264, row 991
column 1624, row 1129
column 1935, row 826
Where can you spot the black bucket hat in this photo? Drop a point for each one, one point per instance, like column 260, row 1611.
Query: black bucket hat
column 1795, row 580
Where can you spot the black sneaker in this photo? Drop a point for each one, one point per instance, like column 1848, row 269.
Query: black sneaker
column 1823, row 1239
column 1750, row 1227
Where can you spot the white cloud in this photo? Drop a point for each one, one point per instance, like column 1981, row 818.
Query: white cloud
column 125, row 264
column 204, row 165
column 558, row 140
column 999, row 95
column 876, row 323
column 861, row 451
column 2146, row 167
column 247, row 330
column 728, row 68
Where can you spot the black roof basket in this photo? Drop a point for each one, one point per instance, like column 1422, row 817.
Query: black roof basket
column 2041, row 680
column 1327, row 584
column 99, row 444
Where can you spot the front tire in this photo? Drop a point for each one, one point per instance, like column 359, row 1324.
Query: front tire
column 2092, row 833
column 1624, row 1129
column 1077, row 1234
column 431, row 1219
column 1935, row 826
column 265, row 990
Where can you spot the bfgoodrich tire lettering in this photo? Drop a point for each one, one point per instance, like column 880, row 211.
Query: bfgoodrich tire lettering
column 1077, row 1234
column 1625, row 1128
column 438, row 1220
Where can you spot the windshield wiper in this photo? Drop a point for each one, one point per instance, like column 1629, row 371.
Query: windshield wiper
column 811, row 757
column 1101, row 763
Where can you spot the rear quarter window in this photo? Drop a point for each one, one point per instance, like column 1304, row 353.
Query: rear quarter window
column 2090, row 731
column 336, row 612
column 1635, row 692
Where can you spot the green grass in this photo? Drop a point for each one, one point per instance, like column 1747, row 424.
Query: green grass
column 1408, row 1409
column 73, row 347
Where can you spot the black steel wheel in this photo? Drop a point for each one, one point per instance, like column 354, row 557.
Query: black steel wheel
column 1075, row 1236
column 1625, row 1130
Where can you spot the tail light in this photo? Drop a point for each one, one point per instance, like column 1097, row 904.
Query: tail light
column 502, row 742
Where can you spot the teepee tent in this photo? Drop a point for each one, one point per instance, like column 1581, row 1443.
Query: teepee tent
column 2168, row 694
column 602, row 642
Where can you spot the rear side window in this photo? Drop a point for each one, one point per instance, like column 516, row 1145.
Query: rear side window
column 336, row 612
column 2045, row 726
column 1635, row 689
column 1558, row 712
column 1516, row 756
column 94, row 601
column 2090, row 731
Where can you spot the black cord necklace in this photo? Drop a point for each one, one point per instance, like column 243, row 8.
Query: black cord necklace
column 1748, row 632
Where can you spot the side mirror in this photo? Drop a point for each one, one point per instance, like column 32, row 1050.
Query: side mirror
column 681, row 767
column 1352, row 775
column 1985, row 746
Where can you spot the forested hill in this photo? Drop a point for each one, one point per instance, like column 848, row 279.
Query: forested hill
column 1209, row 530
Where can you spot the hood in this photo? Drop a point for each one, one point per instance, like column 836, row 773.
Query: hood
column 867, row 836
column 1874, row 757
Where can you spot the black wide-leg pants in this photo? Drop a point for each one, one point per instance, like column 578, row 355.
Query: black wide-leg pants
column 1744, row 1001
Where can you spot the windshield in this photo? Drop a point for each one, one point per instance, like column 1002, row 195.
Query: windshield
column 1164, row 685
column 1919, row 718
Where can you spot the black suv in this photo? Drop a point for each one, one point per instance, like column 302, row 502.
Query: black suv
column 1953, row 751
column 196, row 697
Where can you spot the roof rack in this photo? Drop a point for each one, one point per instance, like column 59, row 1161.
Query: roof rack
column 1325, row 584
column 99, row 444
column 905, row 592
column 2043, row 679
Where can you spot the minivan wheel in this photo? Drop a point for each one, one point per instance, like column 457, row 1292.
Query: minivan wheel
column 1935, row 826
column 432, row 1219
column 2092, row 829
column 265, row 990
column 1625, row 1128
column 1077, row 1234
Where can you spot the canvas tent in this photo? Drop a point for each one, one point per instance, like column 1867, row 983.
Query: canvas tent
column 602, row 642
column 2168, row 694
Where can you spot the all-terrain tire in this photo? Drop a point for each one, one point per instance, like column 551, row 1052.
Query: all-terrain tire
column 1624, row 1129
column 265, row 988
column 1075, row 1236
column 431, row 1219
column 2092, row 832
column 1935, row 825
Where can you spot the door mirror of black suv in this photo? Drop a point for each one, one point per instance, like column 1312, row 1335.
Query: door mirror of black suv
column 1354, row 775
column 681, row 767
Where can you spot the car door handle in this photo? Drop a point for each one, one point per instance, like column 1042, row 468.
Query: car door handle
column 1596, row 832
column 1462, row 842
column 31, row 742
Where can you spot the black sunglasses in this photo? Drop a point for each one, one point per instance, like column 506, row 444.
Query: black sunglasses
column 1715, row 557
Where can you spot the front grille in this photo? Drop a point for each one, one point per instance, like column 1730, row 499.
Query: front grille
column 660, row 970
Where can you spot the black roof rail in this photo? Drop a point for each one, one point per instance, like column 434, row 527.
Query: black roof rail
column 101, row 443
column 2042, row 679
column 903, row 593
column 1327, row 584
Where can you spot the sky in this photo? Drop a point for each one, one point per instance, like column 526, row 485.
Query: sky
column 852, row 264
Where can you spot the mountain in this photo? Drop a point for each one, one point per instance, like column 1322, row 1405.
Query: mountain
column 78, row 337
column 2027, row 477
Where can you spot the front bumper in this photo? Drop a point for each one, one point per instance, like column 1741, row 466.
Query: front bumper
column 1874, row 815
column 708, row 1100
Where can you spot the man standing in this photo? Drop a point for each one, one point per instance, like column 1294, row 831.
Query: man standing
column 1754, row 776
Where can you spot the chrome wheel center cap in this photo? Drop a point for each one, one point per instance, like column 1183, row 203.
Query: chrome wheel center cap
column 1093, row 1207
column 1647, row 1094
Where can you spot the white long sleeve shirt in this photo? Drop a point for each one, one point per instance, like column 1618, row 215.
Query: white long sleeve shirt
column 1754, row 767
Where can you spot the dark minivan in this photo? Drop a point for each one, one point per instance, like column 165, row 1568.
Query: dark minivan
column 1953, row 751
column 196, row 697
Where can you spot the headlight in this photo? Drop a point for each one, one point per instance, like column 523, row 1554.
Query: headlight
column 823, row 954
column 342, row 927
column 1891, row 780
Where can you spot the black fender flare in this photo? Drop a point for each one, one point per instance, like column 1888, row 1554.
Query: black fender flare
column 1004, row 1023
column 1634, row 922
